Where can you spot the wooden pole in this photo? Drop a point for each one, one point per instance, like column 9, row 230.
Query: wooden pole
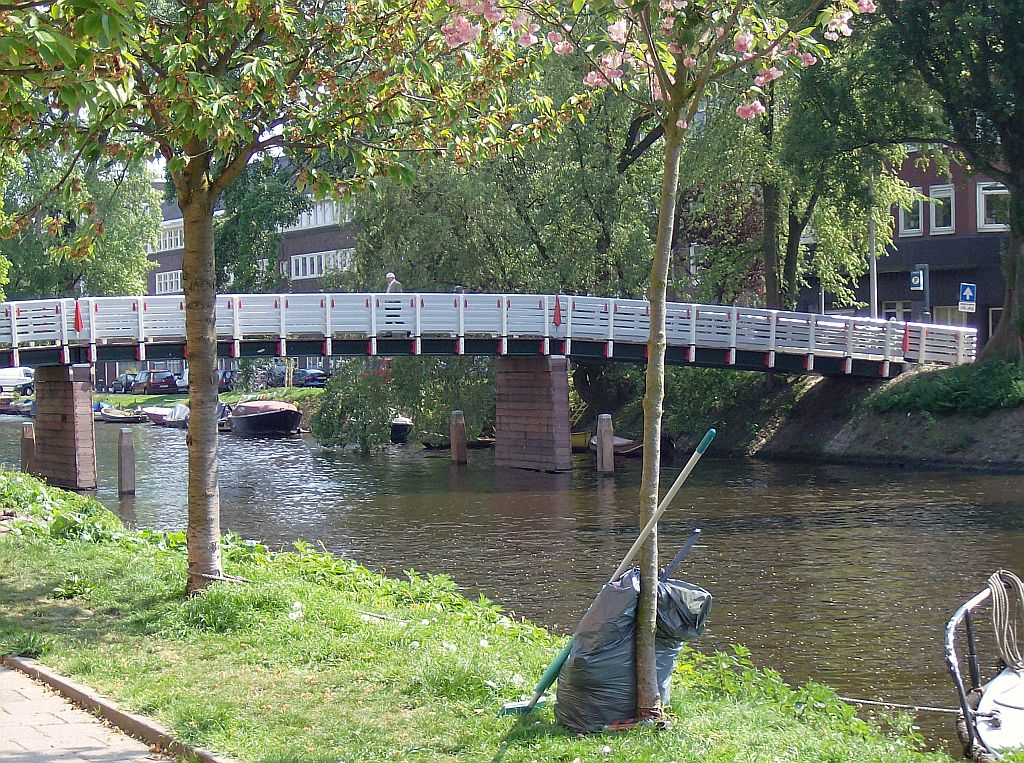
column 458, row 438
column 28, row 447
column 605, row 445
column 125, row 463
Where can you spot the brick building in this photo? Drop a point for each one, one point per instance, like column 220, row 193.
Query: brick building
column 959, row 233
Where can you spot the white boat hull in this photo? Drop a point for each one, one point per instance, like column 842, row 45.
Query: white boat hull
column 1000, row 716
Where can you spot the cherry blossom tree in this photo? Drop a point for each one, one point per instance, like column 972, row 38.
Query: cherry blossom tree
column 667, row 57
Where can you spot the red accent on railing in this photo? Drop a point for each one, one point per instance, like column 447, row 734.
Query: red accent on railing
column 184, row 350
column 286, row 304
column 145, row 307
column 229, row 304
column 465, row 301
column 79, row 324
column 135, row 307
column 645, row 352
column 96, row 307
column 321, row 301
column 181, row 306
column 422, row 303
column 906, row 339
column 558, row 312
column 807, row 362
column 455, row 303
column 239, row 304
column 58, row 309
column 275, row 304
column 367, row 301
column 378, row 302
column 767, row 359
column 332, row 302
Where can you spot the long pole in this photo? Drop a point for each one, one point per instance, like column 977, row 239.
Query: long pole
column 873, row 265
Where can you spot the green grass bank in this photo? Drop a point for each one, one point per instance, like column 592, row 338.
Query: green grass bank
column 319, row 659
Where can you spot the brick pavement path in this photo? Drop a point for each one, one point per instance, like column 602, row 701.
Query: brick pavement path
column 38, row 726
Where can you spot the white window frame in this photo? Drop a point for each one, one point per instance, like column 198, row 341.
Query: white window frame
column 952, row 315
column 994, row 314
column 906, row 232
column 985, row 189
column 902, row 309
column 316, row 264
column 948, row 194
column 170, row 237
column 168, row 282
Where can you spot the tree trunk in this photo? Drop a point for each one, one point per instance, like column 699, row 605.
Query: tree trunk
column 648, row 698
column 204, row 563
column 1007, row 342
column 771, row 196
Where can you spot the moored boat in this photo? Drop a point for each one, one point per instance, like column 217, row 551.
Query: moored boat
column 265, row 418
column 401, row 427
column 157, row 414
column 177, row 418
column 580, row 441
column 119, row 416
column 622, row 446
column 991, row 720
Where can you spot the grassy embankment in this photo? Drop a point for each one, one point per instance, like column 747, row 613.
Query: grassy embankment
column 319, row 659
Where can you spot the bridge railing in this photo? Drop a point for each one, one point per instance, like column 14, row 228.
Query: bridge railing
column 556, row 320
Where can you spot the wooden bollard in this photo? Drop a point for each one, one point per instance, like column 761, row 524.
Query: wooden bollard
column 125, row 463
column 28, row 447
column 605, row 445
column 458, row 438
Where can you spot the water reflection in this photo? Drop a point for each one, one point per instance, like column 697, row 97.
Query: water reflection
column 843, row 575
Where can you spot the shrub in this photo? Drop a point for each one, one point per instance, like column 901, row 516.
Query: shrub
column 977, row 388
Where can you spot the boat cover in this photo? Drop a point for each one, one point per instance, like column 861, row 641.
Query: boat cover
column 597, row 683
column 1000, row 719
column 254, row 407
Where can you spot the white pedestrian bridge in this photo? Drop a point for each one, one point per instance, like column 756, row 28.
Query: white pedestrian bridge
column 92, row 329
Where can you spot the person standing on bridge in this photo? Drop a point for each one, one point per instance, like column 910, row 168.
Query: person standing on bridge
column 394, row 285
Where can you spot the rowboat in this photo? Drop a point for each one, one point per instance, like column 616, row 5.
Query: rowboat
column 991, row 720
column 119, row 416
column 265, row 418
column 177, row 418
column 156, row 414
column 622, row 446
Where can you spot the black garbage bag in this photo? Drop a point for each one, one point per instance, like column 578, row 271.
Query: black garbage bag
column 597, row 683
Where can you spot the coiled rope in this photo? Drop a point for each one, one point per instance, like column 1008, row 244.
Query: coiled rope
column 1007, row 613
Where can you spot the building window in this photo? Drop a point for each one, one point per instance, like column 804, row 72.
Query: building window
column 899, row 311
column 324, row 213
column 950, row 316
column 994, row 314
column 912, row 219
column 169, row 238
column 943, row 209
column 316, row 264
column 168, row 282
column 993, row 207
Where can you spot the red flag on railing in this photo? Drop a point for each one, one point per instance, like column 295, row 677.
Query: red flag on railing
column 79, row 325
column 558, row 312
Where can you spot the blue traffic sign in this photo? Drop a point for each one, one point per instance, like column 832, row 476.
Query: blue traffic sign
column 968, row 292
column 917, row 280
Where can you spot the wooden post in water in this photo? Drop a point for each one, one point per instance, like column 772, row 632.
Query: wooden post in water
column 458, row 438
column 28, row 447
column 125, row 463
column 605, row 445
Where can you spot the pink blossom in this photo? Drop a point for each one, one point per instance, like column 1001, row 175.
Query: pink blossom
column 519, row 22
column 808, row 60
column 749, row 55
column 833, row 36
column 866, row 6
column 563, row 48
column 750, row 110
column 839, row 25
column 528, row 38
column 742, row 42
column 682, row 124
column 595, row 79
column 767, row 75
column 674, row 48
column 791, row 49
column 689, row 62
column 617, row 31
column 493, row 13
column 720, row 31
column 460, row 31
column 554, row 38
column 666, row 5
column 668, row 23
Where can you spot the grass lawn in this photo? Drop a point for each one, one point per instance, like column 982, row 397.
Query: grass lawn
column 319, row 659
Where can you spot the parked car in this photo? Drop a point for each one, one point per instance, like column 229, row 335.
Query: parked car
column 182, row 381
column 123, row 383
column 17, row 379
column 309, row 377
column 155, row 383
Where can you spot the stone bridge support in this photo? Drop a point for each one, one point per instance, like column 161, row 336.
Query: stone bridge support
column 532, row 417
column 65, row 436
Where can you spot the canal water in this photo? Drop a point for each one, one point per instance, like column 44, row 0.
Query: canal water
column 843, row 575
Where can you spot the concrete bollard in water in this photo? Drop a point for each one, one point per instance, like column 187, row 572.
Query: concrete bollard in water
column 125, row 463
column 458, row 438
column 605, row 445
column 28, row 447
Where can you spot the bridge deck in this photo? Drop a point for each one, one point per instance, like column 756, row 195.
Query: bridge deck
column 260, row 325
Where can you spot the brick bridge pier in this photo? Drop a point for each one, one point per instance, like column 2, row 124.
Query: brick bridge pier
column 531, row 425
column 65, row 438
